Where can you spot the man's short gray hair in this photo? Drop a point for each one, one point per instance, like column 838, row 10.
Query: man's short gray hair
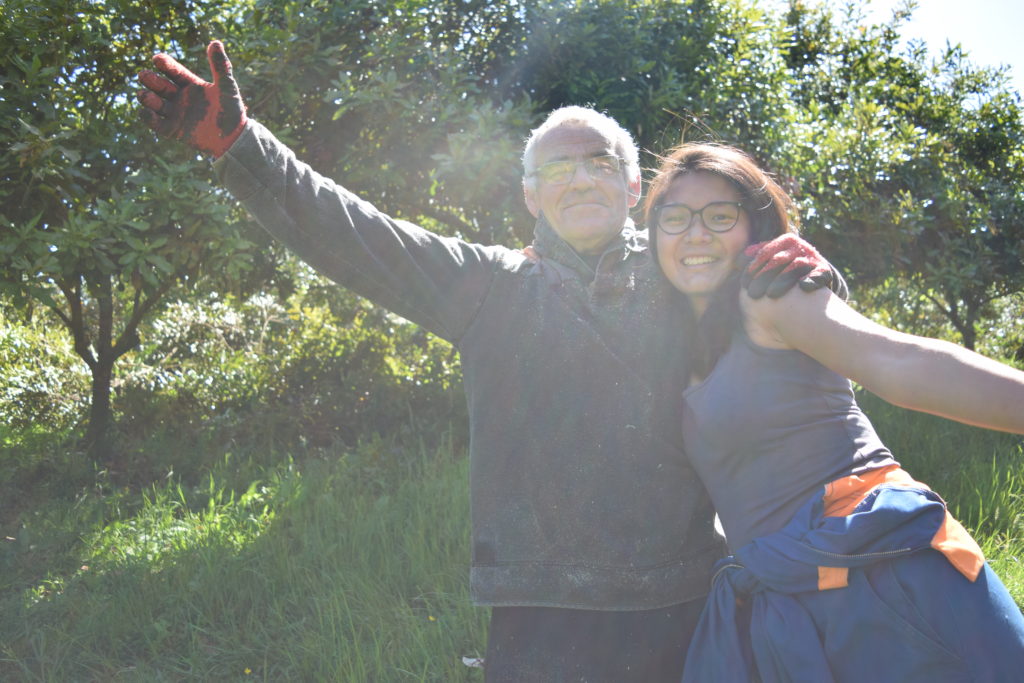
column 585, row 117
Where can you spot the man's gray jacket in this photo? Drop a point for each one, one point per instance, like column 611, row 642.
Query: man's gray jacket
column 581, row 494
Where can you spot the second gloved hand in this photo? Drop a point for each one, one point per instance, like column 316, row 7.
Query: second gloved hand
column 776, row 266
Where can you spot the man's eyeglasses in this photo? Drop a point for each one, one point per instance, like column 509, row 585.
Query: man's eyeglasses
column 675, row 219
column 561, row 172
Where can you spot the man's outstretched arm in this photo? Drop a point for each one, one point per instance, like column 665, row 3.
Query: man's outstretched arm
column 435, row 281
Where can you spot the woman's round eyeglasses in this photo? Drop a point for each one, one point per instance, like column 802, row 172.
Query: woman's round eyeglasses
column 675, row 219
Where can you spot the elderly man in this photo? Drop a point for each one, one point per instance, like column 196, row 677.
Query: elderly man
column 592, row 538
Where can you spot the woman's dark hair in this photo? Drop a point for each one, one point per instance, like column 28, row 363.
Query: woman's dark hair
column 771, row 214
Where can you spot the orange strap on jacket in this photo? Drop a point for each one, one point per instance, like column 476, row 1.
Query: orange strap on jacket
column 951, row 539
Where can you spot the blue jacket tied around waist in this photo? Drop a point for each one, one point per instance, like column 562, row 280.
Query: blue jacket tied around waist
column 782, row 642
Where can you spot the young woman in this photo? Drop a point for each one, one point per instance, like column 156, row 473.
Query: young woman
column 844, row 568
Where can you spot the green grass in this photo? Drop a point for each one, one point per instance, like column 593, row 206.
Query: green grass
column 303, row 576
column 348, row 566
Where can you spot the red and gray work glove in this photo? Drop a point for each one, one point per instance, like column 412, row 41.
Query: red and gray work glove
column 776, row 266
column 179, row 104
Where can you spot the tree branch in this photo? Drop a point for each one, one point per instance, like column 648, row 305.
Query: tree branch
column 76, row 321
column 105, row 331
column 129, row 337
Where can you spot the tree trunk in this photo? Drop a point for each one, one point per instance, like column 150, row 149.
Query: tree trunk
column 97, row 436
column 102, row 354
column 965, row 324
column 962, row 314
column 970, row 337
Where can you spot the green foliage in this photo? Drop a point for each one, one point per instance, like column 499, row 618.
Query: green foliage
column 1003, row 336
column 323, row 367
column 346, row 381
column 668, row 71
column 904, row 170
column 306, row 525
column 95, row 223
column 387, row 97
column 909, row 168
column 44, row 381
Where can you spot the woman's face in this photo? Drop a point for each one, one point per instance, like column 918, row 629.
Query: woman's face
column 698, row 259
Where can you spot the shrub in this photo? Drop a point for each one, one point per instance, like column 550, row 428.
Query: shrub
column 45, row 382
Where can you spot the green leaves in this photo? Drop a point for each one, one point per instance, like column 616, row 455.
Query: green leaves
column 98, row 223
column 908, row 165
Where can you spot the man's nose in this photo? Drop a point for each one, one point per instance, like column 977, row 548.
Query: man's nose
column 581, row 176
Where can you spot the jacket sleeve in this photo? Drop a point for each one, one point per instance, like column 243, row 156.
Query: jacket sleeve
column 438, row 282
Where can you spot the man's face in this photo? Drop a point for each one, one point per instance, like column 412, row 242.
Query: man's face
column 590, row 208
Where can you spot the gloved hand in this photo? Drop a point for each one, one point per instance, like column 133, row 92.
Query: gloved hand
column 208, row 116
column 776, row 266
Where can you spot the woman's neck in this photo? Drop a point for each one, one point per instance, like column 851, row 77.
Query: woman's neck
column 699, row 304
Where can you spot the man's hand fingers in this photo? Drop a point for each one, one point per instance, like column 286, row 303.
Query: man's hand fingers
column 153, row 120
column 161, row 119
column 776, row 277
column 776, row 266
column 220, row 65
column 756, row 257
column 780, row 261
column 783, row 249
column 756, row 284
column 826, row 278
column 785, row 280
column 174, row 71
column 775, row 282
column 158, row 84
column 152, row 101
column 179, row 104
column 816, row 280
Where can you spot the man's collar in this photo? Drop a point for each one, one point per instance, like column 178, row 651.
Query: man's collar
column 549, row 245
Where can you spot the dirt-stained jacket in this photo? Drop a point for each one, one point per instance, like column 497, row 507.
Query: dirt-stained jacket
column 581, row 494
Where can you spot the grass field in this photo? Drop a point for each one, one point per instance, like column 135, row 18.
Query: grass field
column 349, row 566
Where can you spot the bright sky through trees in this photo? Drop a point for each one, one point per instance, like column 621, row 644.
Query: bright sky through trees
column 989, row 30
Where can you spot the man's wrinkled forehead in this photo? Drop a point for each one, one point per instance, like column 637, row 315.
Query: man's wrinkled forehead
column 572, row 142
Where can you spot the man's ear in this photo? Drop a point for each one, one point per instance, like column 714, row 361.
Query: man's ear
column 634, row 191
column 530, row 195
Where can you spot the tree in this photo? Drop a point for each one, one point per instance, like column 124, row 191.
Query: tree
column 669, row 71
column 394, row 100
column 98, row 224
column 909, row 168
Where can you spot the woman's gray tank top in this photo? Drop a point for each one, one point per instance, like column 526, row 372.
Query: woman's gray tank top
column 766, row 429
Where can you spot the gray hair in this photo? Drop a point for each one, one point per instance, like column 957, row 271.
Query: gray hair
column 585, row 117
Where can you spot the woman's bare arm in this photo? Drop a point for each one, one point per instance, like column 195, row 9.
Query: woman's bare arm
column 913, row 372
